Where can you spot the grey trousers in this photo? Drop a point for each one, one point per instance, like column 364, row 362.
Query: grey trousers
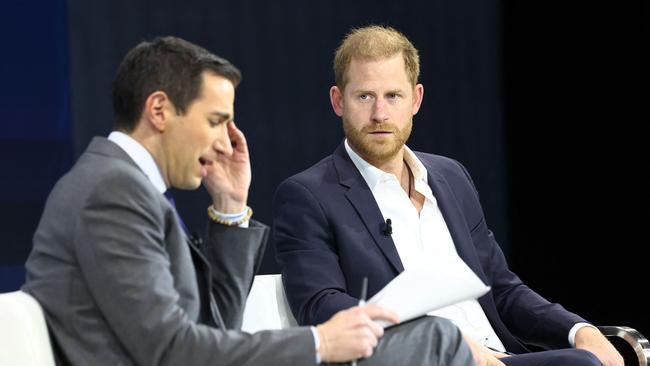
column 428, row 341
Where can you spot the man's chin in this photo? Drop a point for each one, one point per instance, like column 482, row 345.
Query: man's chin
column 189, row 185
column 380, row 151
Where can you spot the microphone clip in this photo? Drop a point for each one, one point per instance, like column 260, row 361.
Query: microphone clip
column 388, row 228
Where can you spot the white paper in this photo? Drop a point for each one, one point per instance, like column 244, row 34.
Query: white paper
column 418, row 291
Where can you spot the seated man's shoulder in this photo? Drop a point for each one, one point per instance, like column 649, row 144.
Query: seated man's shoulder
column 314, row 175
column 117, row 173
column 104, row 179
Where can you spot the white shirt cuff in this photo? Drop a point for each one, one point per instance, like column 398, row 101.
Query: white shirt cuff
column 316, row 343
column 574, row 330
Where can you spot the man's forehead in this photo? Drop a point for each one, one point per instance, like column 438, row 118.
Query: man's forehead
column 217, row 93
column 377, row 75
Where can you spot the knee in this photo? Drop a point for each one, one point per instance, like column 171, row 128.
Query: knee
column 440, row 326
column 441, row 332
column 579, row 357
column 430, row 330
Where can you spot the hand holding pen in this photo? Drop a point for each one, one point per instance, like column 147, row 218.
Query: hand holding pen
column 353, row 334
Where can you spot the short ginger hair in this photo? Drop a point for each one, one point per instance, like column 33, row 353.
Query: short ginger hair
column 372, row 43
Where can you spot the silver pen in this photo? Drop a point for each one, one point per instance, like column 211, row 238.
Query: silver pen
column 362, row 301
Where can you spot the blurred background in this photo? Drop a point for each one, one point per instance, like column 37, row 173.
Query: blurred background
column 547, row 103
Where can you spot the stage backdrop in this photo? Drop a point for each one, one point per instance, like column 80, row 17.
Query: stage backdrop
column 285, row 50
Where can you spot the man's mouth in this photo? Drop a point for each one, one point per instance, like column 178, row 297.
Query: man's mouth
column 204, row 164
column 204, row 161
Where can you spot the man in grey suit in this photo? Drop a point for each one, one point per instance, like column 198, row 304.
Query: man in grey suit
column 121, row 281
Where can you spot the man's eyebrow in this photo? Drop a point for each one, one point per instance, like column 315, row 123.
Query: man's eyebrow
column 362, row 91
column 366, row 91
column 222, row 115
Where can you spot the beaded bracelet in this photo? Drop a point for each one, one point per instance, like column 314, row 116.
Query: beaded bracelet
column 213, row 216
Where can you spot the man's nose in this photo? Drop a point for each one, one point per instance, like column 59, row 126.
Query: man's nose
column 222, row 143
column 379, row 112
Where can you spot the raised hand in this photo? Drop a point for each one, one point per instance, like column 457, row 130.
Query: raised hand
column 229, row 176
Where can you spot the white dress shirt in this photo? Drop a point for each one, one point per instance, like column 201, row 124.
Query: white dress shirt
column 141, row 157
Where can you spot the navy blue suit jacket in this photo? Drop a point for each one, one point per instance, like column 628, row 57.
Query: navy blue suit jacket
column 328, row 233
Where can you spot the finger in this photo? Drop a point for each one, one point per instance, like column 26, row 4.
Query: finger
column 368, row 351
column 496, row 354
column 368, row 344
column 376, row 329
column 237, row 138
column 378, row 313
column 355, row 317
column 370, row 337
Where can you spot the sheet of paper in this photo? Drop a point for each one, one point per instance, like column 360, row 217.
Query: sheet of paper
column 415, row 292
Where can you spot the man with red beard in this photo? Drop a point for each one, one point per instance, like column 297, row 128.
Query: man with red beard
column 374, row 208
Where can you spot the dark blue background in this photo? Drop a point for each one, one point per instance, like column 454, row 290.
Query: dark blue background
column 36, row 145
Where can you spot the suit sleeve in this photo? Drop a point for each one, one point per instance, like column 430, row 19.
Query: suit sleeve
column 121, row 252
column 529, row 316
column 306, row 249
column 235, row 255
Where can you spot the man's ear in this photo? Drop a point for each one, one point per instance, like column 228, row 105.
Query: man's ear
column 157, row 110
column 418, row 96
column 336, row 98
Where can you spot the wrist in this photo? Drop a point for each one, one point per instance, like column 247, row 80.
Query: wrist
column 228, row 206
column 582, row 332
column 236, row 219
column 323, row 344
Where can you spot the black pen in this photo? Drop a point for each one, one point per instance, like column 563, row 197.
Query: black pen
column 362, row 301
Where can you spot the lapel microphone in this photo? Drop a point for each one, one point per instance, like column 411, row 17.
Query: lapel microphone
column 388, row 228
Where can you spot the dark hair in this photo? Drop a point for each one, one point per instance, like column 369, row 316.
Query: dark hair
column 168, row 64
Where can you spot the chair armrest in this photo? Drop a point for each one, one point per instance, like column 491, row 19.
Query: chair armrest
column 631, row 344
column 24, row 339
column 267, row 306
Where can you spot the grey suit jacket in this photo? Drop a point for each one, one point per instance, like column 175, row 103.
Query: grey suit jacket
column 122, row 285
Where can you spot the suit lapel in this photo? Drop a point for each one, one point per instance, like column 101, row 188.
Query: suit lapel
column 364, row 203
